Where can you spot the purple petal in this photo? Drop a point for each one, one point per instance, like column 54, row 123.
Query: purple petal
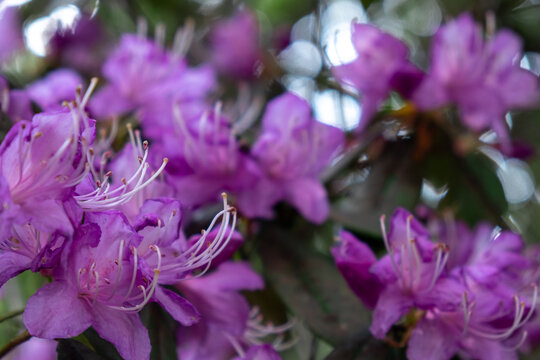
column 58, row 86
column 432, row 339
column 56, row 311
column 309, row 197
column 483, row 349
column 179, row 308
column 108, row 102
column 11, row 265
column 288, row 109
column 354, row 260
column 124, row 330
column 391, row 306
column 446, row 295
column 261, row 352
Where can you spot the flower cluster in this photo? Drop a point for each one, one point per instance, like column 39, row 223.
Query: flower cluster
column 103, row 192
column 202, row 142
column 465, row 293
column 482, row 78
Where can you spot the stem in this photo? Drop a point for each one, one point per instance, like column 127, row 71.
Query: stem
column 11, row 315
column 13, row 343
column 352, row 154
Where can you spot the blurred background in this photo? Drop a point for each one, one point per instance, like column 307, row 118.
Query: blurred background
column 299, row 41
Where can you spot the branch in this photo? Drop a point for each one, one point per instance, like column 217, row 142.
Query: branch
column 13, row 343
column 11, row 315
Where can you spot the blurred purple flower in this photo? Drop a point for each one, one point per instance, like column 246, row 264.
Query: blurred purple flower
column 14, row 103
column 292, row 150
column 143, row 73
column 466, row 287
column 40, row 164
column 206, row 159
column 96, row 285
column 57, row 86
column 228, row 327
column 11, row 30
column 35, row 348
column 81, row 47
column 354, row 260
column 235, row 45
column 381, row 65
column 482, row 77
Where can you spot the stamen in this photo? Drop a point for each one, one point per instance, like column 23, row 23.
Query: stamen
column 387, row 245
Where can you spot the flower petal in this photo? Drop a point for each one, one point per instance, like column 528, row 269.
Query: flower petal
column 179, row 308
column 56, row 311
column 124, row 330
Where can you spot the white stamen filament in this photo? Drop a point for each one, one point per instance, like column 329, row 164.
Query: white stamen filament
column 520, row 319
column 388, row 249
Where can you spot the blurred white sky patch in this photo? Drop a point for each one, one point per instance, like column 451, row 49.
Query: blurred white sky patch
column 39, row 32
column 301, row 58
column 332, row 108
column 336, row 30
column 515, row 176
column 431, row 195
column 8, row 3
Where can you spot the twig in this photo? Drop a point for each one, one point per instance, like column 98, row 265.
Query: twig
column 352, row 154
column 11, row 315
column 13, row 343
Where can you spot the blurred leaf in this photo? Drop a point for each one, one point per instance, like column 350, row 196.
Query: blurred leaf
column 172, row 13
column 162, row 330
column 116, row 18
column 390, row 181
column 283, row 11
column 365, row 347
column 102, row 347
column 69, row 349
column 506, row 5
column 311, row 286
column 525, row 21
column 474, row 190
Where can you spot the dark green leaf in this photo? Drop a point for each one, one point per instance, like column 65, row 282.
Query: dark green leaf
column 102, row 347
column 162, row 330
column 69, row 349
column 311, row 286
column 525, row 21
column 365, row 347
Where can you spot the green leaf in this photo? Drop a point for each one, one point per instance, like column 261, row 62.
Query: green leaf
column 69, row 349
column 102, row 347
column 311, row 286
column 162, row 329
column 365, row 347
column 525, row 21
column 392, row 180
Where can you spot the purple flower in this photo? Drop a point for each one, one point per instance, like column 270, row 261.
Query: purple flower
column 292, row 151
column 206, row 159
column 58, row 86
column 483, row 78
column 228, row 326
column 260, row 352
column 96, row 285
column 235, row 45
column 14, row 103
column 40, row 163
column 80, row 47
column 354, row 260
column 124, row 166
column 142, row 73
column 468, row 294
column 381, row 66
column 134, row 178
column 35, row 348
